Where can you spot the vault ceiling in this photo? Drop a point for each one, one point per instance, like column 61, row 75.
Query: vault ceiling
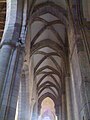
column 48, row 41
column 2, row 16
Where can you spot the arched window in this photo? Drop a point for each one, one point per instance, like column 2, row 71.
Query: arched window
column 47, row 110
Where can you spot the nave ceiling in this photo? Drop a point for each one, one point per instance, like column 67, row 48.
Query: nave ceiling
column 48, row 51
column 48, row 24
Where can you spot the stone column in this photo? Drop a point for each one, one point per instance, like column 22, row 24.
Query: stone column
column 24, row 93
column 63, row 114
column 81, row 51
column 5, row 55
column 68, row 98
column 35, row 112
column 58, row 111
column 85, row 83
column 11, row 81
column 11, row 59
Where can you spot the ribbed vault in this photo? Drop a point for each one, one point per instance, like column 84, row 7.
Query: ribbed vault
column 2, row 16
column 48, row 25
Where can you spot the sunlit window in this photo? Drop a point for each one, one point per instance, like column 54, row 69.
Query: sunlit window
column 46, row 118
column 47, row 110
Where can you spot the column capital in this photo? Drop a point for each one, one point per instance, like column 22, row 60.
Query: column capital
column 12, row 44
